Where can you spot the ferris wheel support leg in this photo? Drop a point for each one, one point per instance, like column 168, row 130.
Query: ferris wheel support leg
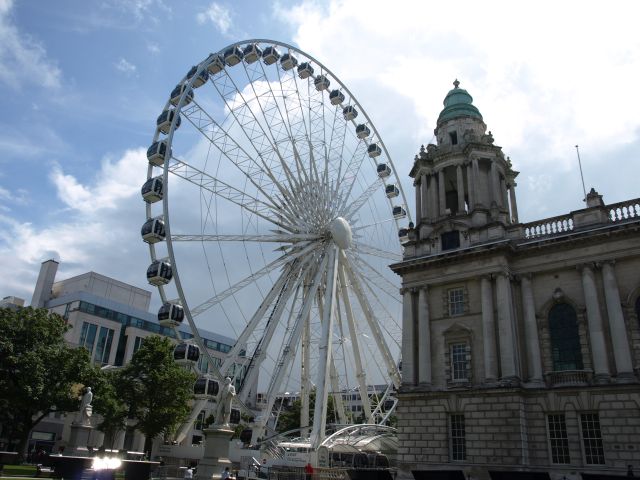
column 392, row 368
column 361, row 376
column 322, row 383
column 305, row 383
column 289, row 351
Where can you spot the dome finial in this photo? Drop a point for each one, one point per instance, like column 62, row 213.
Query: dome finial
column 456, row 83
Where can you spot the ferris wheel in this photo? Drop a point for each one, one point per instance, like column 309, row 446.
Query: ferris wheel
column 273, row 210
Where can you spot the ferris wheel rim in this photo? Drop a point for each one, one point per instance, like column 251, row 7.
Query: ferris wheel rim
column 169, row 140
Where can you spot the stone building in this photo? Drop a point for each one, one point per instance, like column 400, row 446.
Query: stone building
column 521, row 342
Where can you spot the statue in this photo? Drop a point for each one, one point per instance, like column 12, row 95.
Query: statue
column 223, row 411
column 85, row 408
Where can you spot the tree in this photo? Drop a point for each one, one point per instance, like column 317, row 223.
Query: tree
column 290, row 418
column 108, row 403
column 156, row 389
column 38, row 370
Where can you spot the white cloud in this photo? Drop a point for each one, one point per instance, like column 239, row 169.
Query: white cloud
column 153, row 48
column 125, row 67
column 22, row 58
column 218, row 15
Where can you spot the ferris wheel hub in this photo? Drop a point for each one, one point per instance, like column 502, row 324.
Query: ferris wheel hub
column 341, row 232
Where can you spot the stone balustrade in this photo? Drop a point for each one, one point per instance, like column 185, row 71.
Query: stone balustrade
column 629, row 209
column 568, row 378
column 548, row 227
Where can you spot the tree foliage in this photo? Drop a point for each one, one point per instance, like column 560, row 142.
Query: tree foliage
column 38, row 370
column 156, row 389
column 108, row 402
column 289, row 419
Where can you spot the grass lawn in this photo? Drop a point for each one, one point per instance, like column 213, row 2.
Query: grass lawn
column 19, row 470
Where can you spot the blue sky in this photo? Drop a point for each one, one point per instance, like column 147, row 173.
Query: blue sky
column 82, row 83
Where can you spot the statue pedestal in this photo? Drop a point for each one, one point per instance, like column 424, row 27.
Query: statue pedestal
column 78, row 440
column 216, row 453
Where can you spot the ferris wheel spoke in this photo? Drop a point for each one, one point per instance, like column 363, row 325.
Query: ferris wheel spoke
column 392, row 368
column 277, row 238
column 378, row 252
column 289, row 351
column 279, row 262
column 374, row 276
column 345, row 184
column 351, row 209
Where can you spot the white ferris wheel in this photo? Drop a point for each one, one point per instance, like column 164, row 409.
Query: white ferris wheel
column 273, row 210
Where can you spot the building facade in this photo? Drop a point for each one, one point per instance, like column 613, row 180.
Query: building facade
column 521, row 342
column 110, row 319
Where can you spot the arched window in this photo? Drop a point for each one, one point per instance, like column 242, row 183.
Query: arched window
column 565, row 338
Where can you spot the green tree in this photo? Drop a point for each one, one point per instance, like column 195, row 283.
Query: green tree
column 156, row 389
column 109, row 403
column 289, row 419
column 37, row 370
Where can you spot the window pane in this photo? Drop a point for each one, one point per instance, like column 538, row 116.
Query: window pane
column 592, row 439
column 558, row 439
column 457, row 435
column 459, row 361
column 565, row 338
column 456, row 301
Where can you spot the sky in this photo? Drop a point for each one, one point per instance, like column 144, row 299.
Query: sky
column 83, row 82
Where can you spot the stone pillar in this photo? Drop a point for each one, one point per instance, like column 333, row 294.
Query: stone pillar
column 506, row 331
column 424, row 336
column 503, row 196
column 418, row 202
column 621, row 351
column 531, row 332
column 460, row 186
column 477, row 190
column 495, row 185
column 594, row 319
column 408, row 360
column 442, row 196
column 488, row 331
column 514, row 206
column 216, row 453
column 433, row 189
column 424, row 195
column 471, row 190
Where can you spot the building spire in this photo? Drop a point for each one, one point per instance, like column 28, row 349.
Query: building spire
column 456, row 83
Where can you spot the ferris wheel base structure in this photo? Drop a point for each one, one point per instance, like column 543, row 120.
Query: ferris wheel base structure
column 272, row 211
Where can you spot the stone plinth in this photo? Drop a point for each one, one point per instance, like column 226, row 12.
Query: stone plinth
column 79, row 440
column 216, row 453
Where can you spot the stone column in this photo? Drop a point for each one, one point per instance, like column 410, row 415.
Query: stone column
column 505, row 327
column 471, row 187
column 594, row 319
column 531, row 331
column 408, row 360
column 477, row 190
column 424, row 338
column 418, row 201
column 488, row 331
column 460, row 186
column 424, row 186
column 503, row 196
column 621, row 351
column 216, row 452
column 514, row 206
column 495, row 185
column 442, row 196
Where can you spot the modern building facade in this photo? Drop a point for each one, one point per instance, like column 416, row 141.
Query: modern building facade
column 521, row 341
column 110, row 319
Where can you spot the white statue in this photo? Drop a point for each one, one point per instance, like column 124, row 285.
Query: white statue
column 223, row 410
column 85, row 408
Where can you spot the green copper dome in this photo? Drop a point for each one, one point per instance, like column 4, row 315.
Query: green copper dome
column 458, row 103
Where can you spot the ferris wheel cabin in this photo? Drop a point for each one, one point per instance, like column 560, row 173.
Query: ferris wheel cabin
column 252, row 53
column 205, row 387
column 305, row 70
column 270, row 55
column 321, row 82
column 403, row 235
column 391, row 191
column 153, row 231
column 170, row 315
column 349, row 112
column 336, row 97
column 177, row 92
column 383, row 170
column 157, row 153
column 362, row 131
column 399, row 212
column 186, row 353
column 233, row 56
column 288, row 61
column 374, row 150
column 216, row 65
column 200, row 80
column 164, row 121
column 152, row 190
column 159, row 273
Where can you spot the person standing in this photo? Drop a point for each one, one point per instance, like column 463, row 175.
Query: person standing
column 308, row 471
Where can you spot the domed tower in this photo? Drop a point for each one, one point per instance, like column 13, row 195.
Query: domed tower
column 465, row 187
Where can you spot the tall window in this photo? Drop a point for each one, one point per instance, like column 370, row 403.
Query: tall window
column 592, row 439
column 565, row 338
column 103, row 346
column 88, row 335
column 459, row 362
column 456, row 301
column 558, row 439
column 457, row 447
column 137, row 343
